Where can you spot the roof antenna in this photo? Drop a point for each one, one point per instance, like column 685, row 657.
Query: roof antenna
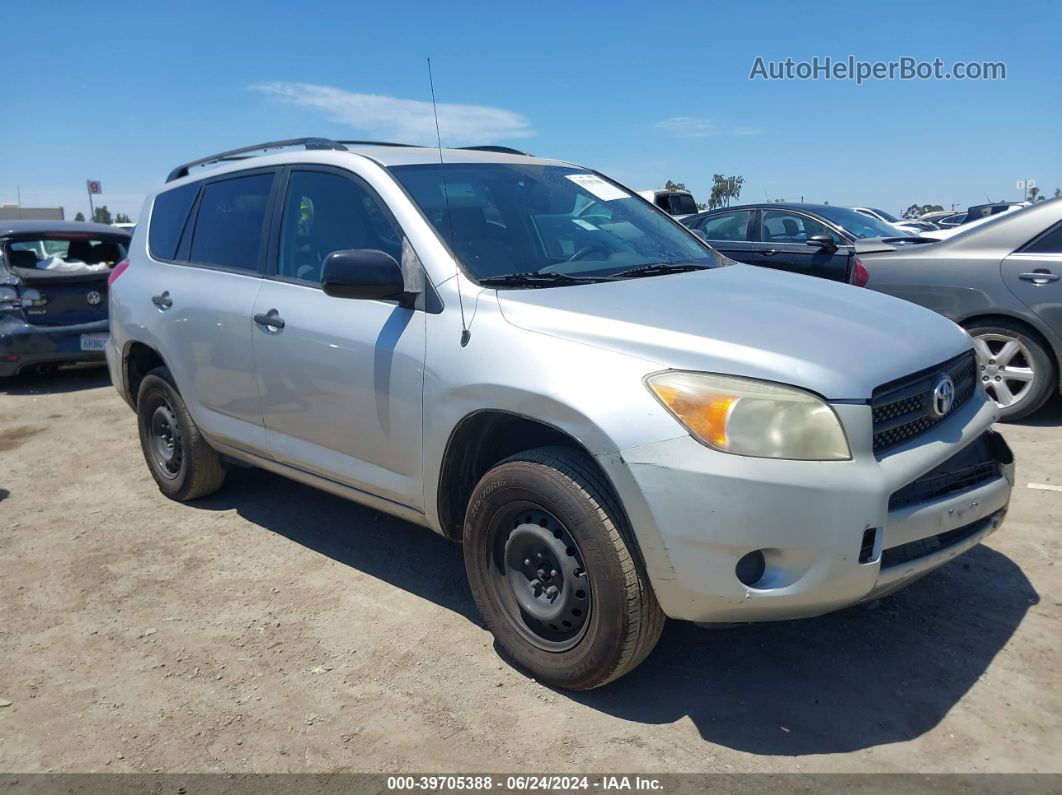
column 466, row 335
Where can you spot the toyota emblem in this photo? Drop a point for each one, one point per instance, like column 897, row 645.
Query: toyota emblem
column 943, row 396
column 94, row 298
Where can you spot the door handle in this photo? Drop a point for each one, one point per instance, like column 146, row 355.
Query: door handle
column 768, row 252
column 270, row 319
column 1039, row 276
column 162, row 301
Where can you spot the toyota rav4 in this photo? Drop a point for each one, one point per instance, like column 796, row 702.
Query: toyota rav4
column 525, row 356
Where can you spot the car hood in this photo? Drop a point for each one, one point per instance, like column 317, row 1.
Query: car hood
column 836, row 340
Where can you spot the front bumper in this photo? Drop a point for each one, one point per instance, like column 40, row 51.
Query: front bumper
column 826, row 531
column 25, row 345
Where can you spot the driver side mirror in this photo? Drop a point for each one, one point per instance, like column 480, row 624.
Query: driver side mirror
column 363, row 273
column 824, row 242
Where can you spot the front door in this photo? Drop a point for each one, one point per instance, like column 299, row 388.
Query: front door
column 340, row 379
column 782, row 244
column 1034, row 275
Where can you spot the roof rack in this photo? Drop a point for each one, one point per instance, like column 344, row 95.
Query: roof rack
column 234, row 154
column 373, row 143
column 505, row 150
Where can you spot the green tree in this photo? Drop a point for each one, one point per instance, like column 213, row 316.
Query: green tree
column 102, row 215
column 80, row 216
column 916, row 210
column 1032, row 193
column 669, row 185
column 724, row 189
column 122, row 218
column 1058, row 193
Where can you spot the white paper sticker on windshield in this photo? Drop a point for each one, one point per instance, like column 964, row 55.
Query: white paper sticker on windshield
column 597, row 186
column 584, row 224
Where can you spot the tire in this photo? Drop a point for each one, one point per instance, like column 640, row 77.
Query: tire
column 186, row 467
column 545, row 516
column 1029, row 357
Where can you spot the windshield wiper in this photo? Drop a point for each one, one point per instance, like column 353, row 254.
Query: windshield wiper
column 535, row 278
column 656, row 269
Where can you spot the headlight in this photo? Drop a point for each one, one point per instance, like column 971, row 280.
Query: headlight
column 753, row 418
column 8, row 298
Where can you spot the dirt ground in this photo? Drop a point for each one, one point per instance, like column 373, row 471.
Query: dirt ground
column 274, row 628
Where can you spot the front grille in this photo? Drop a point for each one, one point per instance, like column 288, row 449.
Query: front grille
column 976, row 463
column 913, row 550
column 902, row 409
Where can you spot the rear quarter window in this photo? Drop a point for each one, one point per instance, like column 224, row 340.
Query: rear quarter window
column 168, row 218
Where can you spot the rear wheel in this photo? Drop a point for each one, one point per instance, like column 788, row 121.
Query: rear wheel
column 183, row 464
column 556, row 580
column 1014, row 367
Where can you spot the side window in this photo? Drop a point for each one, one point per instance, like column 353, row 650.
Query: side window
column 780, row 226
column 1048, row 243
column 728, row 226
column 326, row 212
column 228, row 226
column 168, row 217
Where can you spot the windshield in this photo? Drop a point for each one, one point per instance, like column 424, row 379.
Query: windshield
column 858, row 225
column 501, row 218
column 892, row 219
column 78, row 255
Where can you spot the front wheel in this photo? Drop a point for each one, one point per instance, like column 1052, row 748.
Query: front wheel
column 1014, row 367
column 556, row 580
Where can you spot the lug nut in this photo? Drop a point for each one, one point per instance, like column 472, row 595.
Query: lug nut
column 535, row 584
column 527, row 561
column 552, row 591
column 552, row 572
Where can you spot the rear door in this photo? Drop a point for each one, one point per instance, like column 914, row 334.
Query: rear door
column 729, row 233
column 1034, row 274
column 202, row 299
column 781, row 243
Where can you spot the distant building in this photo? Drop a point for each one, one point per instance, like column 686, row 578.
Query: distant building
column 12, row 212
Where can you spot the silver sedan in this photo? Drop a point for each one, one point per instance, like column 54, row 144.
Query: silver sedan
column 1001, row 282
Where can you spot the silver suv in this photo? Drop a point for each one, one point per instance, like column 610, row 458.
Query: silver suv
column 523, row 355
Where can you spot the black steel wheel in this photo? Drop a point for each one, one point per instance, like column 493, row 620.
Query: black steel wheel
column 180, row 460
column 555, row 571
column 165, row 441
column 539, row 577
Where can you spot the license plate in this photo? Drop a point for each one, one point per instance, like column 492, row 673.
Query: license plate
column 94, row 342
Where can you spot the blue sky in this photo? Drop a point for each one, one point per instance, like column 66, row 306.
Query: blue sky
column 642, row 91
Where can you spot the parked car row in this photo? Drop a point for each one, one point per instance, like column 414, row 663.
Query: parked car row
column 997, row 276
column 620, row 422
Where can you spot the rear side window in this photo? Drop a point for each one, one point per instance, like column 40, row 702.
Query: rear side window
column 728, row 226
column 167, row 220
column 1048, row 243
column 228, row 226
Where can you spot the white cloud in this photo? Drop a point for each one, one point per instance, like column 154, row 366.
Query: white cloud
column 748, row 131
column 405, row 120
column 688, row 127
